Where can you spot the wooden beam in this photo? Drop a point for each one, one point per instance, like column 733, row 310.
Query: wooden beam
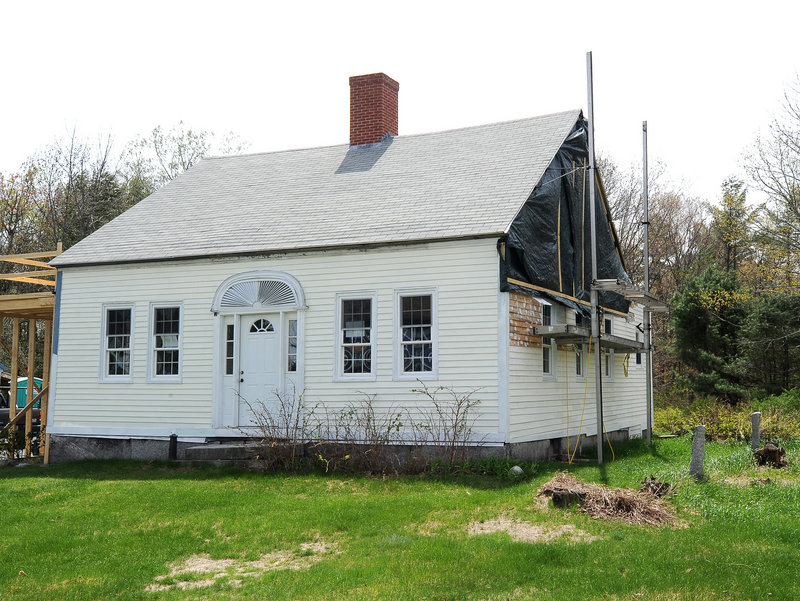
column 27, row 280
column 14, row 352
column 26, row 274
column 31, row 380
column 39, row 255
column 30, row 262
column 561, row 295
column 38, row 304
column 44, row 438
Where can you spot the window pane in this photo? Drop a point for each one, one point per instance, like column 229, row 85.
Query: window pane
column 546, row 359
column 166, row 342
column 229, row 333
column 167, row 363
column 547, row 315
column 292, row 346
column 168, row 320
column 118, row 341
column 357, row 359
column 416, row 333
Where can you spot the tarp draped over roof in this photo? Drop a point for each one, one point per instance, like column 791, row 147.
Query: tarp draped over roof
column 455, row 184
column 549, row 242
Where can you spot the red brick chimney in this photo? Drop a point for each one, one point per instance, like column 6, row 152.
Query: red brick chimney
column 373, row 108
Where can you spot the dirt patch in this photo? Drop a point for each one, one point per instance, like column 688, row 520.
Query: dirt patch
column 623, row 504
column 184, row 575
column 526, row 532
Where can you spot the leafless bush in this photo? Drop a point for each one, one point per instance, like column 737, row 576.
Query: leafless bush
column 447, row 424
column 359, row 437
column 365, row 436
column 281, row 429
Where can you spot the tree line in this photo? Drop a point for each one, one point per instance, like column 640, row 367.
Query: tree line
column 730, row 269
column 72, row 187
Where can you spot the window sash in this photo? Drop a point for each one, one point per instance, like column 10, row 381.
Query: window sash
column 291, row 350
column 117, row 351
column 416, row 333
column 355, row 336
column 166, row 341
column 230, row 345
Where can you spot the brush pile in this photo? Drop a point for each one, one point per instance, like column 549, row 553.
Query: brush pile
column 623, row 504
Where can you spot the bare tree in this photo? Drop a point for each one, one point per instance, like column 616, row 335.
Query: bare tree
column 149, row 162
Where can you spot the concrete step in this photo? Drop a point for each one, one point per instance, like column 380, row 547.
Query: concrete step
column 214, row 451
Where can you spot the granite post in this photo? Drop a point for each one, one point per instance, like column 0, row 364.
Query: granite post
column 756, row 440
column 698, row 452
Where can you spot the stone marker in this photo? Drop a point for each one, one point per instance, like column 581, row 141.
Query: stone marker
column 756, row 419
column 698, row 452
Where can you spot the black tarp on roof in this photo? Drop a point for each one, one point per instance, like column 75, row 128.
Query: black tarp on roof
column 549, row 242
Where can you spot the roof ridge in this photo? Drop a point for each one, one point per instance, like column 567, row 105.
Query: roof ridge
column 576, row 112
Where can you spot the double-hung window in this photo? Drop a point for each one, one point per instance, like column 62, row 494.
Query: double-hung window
column 580, row 361
column 415, row 334
column 549, row 354
column 117, row 345
column 608, row 354
column 355, row 337
column 165, row 342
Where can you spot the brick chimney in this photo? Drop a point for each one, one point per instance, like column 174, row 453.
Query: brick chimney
column 373, row 108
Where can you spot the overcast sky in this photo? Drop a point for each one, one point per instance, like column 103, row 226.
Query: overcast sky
column 707, row 76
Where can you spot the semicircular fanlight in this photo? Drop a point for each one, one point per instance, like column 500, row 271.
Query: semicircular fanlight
column 258, row 293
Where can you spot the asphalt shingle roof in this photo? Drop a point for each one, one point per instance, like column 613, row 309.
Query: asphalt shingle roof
column 459, row 183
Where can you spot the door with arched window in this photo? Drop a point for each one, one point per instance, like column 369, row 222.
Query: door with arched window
column 259, row 367
column 259, row 323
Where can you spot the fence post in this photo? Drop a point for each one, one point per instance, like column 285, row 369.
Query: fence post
column 698, row 452
column 755, row 418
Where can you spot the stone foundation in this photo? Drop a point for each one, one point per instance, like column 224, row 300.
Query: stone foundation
column 72, row 448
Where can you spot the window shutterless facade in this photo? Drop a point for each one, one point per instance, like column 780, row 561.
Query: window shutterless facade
column 415, row 348
column 117, row 344
column 355, row 337
column 165, row 342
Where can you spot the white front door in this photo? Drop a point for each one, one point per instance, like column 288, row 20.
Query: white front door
column 259, row 367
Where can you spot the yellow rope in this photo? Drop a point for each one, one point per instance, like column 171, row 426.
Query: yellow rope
column 625, row 362
column 583, row 411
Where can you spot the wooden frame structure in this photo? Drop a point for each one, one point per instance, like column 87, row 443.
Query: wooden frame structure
column 34, row 307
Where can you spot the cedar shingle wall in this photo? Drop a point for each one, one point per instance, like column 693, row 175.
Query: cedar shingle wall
column 524, row 313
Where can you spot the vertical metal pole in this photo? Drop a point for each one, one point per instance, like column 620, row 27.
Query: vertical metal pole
column 646, row 317
column 598, row 363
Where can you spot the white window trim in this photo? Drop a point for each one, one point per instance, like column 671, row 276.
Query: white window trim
column 151, row 363
column 397, row 337
column 608, row 354
column 552, row 375
column 338, row 367
column 103, row 375
column 584, row 362
column 640, row 354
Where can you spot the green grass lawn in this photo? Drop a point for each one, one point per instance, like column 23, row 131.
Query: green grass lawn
column 126, row 530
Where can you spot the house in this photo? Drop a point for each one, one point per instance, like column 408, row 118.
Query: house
column 343, row 271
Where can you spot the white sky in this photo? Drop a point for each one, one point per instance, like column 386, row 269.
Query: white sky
column 705, row 75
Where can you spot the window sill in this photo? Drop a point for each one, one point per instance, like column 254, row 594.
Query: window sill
column 354, row 377
column 413, row 377
column 116, row 380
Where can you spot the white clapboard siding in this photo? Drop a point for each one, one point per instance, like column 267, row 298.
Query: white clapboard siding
column 541, row 408
column 465, row 274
